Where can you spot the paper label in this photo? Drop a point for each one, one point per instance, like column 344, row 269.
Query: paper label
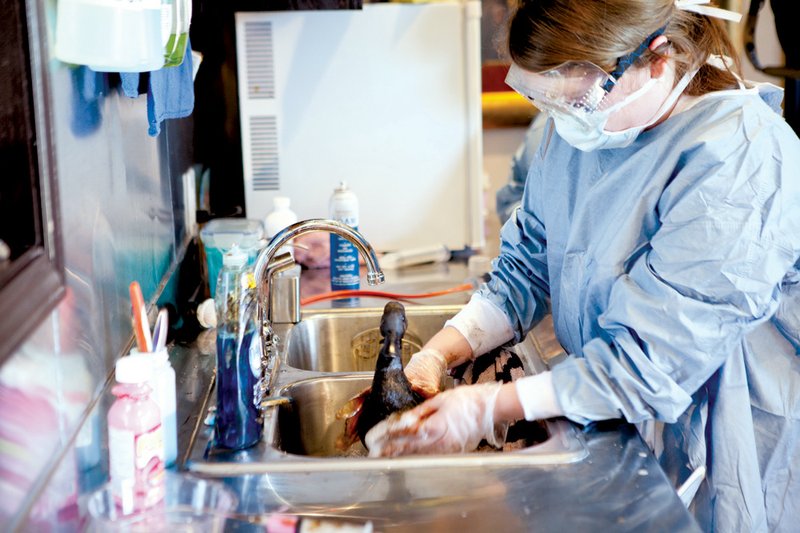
column 344, row 264
column 148, row 446
column 120, row 457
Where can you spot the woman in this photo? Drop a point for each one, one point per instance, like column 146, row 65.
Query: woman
column 660, row 225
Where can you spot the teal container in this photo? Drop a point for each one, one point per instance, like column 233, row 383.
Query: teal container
column 219, row 236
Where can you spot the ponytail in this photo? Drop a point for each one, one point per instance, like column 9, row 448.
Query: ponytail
column 696, row 38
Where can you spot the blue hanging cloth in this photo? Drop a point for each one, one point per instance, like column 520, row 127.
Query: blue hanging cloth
column 170, row 92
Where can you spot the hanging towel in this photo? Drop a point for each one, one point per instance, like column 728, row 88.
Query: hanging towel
column 130, row 84
column 88, row 89
column 170, row 92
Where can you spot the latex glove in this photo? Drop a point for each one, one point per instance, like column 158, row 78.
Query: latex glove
column 451, row 422
column 425, row 370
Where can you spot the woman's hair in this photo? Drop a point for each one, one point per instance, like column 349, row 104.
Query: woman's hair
column 543, row 34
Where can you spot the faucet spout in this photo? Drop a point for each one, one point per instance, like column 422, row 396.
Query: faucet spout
column 262, row 267
column 270, row 262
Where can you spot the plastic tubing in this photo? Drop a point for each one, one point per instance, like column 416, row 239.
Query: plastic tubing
column 381, row 294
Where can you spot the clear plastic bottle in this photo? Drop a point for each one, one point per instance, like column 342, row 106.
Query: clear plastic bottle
column 344, row 256
column 135, row 438
column 162, row 383
column 237, row 424
column 176, row 16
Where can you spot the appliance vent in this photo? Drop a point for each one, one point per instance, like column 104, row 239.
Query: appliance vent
column 264, row 153
column 260, row 60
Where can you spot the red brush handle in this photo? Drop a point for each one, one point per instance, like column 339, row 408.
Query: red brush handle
column 141, row 326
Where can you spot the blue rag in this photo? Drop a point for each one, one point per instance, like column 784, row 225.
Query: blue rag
column 170, row 92
column 88, row 89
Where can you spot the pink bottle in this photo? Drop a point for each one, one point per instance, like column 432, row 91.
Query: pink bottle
column 135, row 438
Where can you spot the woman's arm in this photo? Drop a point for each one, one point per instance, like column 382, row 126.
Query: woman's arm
column 452, row 345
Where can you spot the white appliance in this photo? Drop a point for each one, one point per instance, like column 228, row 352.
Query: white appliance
column 386, row 98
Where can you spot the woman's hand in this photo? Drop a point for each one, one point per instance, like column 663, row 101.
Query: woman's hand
column 451, row 422
column 425, row 371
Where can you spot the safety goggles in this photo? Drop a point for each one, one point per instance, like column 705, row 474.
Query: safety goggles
column 576, row 87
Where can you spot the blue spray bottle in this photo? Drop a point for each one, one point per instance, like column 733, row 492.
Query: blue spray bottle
column 344, row 256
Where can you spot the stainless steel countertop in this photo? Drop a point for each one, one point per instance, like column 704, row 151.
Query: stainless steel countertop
column 618, row 487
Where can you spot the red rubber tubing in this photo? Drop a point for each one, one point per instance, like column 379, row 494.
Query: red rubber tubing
column 380, row 294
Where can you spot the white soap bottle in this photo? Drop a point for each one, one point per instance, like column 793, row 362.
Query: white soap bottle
column 280, row 217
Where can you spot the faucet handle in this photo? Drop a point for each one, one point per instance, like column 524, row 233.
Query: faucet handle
column 280, row 263
column 285, row 296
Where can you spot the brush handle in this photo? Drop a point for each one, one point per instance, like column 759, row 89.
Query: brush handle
column 160, row 331
column 141, row 326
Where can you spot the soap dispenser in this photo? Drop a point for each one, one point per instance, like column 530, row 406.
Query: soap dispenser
column 237, row 424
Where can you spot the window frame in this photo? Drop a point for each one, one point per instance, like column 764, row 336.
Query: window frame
column 34, row 282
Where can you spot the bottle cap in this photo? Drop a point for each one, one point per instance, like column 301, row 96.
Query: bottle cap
column 281, row 202
column 135, row 368
column 207, row 314
column 342, row 186
column 234, row 257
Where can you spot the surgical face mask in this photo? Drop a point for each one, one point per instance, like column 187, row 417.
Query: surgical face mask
column 587, row 132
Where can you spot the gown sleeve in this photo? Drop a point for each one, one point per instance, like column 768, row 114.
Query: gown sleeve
column 519, row 284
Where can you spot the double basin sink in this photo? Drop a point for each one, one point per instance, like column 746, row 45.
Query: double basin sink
column 327, row 358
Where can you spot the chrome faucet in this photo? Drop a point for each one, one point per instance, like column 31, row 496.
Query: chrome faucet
column 269, row 263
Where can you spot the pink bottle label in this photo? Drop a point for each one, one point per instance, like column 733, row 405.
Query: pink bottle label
column 136, row 467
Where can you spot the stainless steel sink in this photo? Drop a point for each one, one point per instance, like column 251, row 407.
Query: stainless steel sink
column 328, row 358
column 308, row 424
column 348, row 341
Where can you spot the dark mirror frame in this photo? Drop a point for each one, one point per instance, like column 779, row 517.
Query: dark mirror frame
column 32, row 282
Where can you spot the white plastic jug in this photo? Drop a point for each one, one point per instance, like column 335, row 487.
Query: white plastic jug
column 110, row 35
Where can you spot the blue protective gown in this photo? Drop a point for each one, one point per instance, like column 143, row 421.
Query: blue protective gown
column 509, row 196
column 671, row 270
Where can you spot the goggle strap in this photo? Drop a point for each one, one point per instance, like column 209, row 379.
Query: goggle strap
column 627, row 60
